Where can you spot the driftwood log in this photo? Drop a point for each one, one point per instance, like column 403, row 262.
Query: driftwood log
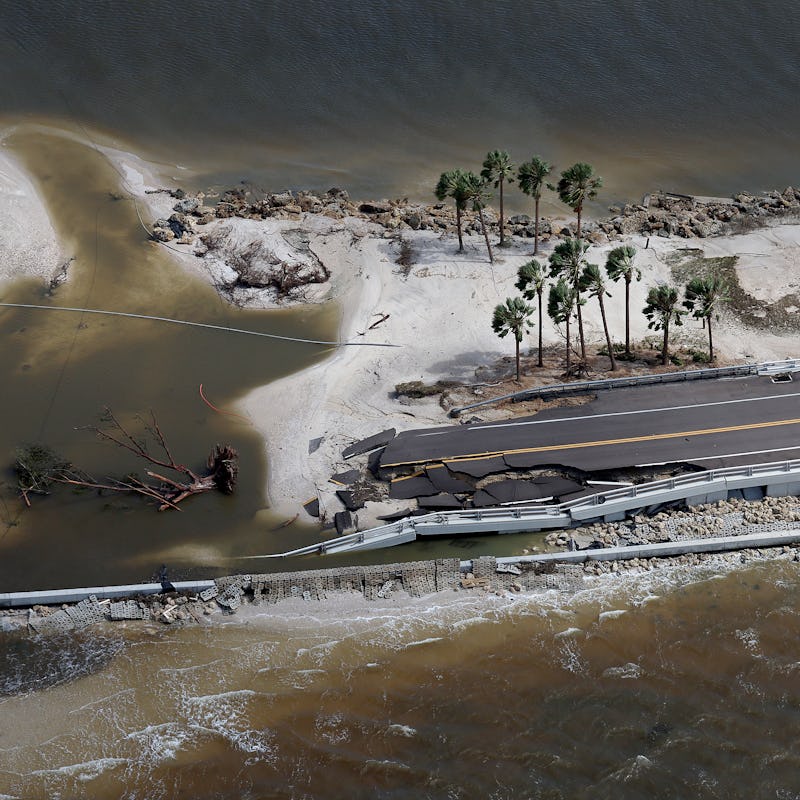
column 38, row 468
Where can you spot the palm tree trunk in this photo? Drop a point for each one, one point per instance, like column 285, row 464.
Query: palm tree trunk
column 458, row 227
column 536, row 230
column 580, row 325
column 664, row 351
column 486, row 235
column 578, row 210
column 541, row 363
column 502, row 231
column 517, row 342
column 569, row 362
column 608, row 337
column 627, row 318
column 710, row 342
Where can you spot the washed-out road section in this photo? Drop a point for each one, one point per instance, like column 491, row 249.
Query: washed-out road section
column 711, row 424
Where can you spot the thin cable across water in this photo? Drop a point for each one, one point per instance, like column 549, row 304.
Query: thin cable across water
column 196, row 325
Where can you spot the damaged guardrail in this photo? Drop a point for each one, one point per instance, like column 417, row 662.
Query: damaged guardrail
column 580, row 387
column 777, row 478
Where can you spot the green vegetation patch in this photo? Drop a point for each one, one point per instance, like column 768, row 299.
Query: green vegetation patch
column 758, row 314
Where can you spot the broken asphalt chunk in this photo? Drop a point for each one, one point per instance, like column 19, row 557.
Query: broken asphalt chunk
column 408, row 488
column 370, row 443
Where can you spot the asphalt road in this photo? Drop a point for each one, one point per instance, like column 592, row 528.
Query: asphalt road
column 711, row 423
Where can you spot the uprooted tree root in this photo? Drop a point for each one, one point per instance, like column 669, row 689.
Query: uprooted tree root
column 38, row 468
column 257, row 267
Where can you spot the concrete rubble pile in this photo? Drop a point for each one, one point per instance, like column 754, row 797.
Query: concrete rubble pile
column 379, row 582
column 733, row 517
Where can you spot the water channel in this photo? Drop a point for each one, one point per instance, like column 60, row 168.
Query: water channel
column 60, row 370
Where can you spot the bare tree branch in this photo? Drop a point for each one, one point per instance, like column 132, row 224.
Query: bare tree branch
column 37, row 467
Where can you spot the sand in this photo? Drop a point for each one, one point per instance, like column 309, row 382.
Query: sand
column 439, row 312
column 29, row 246
column 440, row 315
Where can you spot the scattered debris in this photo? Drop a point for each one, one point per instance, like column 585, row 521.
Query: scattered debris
column 346, row 478
column 38, row 467
column 287, row 522
column 312, row 507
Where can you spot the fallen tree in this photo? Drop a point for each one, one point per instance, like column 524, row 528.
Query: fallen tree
column 38, row 467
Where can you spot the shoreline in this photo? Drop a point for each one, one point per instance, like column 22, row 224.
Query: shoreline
column 766, row 530
column 437, row 307
column 29, row 245
column 318, row 404
column 301, row 402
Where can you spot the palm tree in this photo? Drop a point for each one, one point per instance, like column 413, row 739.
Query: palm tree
column 619, row 264
column 577, row 185
column 476, row 194
column 451, row 184
column 568, row 260
column 662, row 309
column 531, row 177
column 513, row 317
column 497, row 168
column 703, row 298
column 531, row 281
column 560, row 308
column 593, row 282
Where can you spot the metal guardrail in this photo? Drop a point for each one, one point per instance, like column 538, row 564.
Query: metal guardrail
column 577, row 387
column 714, row 544
column 584, row 509
column 396, row 532
column 693, row 480
column 56, row 596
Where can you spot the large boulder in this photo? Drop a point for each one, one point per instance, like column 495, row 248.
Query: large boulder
column 186, row 206
column 335, row 193
column 163, row 234
column 413, row 220
column 223, row 210
column 702, row 229
column 180, row 224
column 628, row 224
column 205, row 215
column 309, row 202
column 383, row 207
column 282, row 199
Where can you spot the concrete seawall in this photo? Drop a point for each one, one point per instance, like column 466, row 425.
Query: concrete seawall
column 47, row 597
column 192, row 601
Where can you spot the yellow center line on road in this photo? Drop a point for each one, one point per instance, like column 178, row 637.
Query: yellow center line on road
column 652, row 437
column 416, row 474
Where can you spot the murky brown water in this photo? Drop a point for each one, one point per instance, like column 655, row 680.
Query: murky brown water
column 59, row 370
column 668, row 685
